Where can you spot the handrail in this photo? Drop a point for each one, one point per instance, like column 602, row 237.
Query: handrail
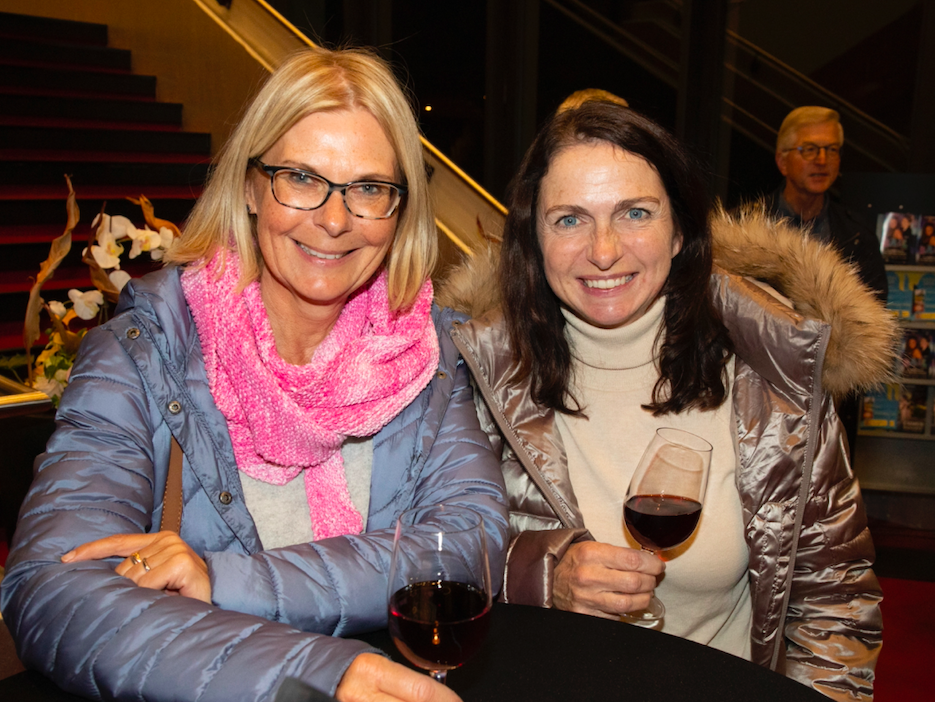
column 667, row 70
column 16, row 398
column 258, row 27
column 813, row 86
column 465, row 212
column 870, row 138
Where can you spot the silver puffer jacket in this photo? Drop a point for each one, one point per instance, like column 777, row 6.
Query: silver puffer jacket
column 816, row 614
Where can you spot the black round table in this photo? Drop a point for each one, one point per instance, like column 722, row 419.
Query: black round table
column 536, row 655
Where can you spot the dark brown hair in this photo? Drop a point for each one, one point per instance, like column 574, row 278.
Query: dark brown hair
column 695, row 348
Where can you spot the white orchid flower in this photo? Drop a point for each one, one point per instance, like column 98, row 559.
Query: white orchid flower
column 107, row 251
column 121, row 227
column 86, row 304
column 119, row 278
column 110, row 230
column 168, row 238
column 136, row 248
column 57, row 308
column 144, row 240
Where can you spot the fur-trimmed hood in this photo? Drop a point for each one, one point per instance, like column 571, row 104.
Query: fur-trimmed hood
column 810, row 274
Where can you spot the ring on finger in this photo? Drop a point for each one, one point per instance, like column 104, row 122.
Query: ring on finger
column 137, row 559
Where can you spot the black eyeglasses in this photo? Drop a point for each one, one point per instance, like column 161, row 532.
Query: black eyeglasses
column 810, row 151
column 302, row 190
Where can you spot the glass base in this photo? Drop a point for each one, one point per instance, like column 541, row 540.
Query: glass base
column 650, row 618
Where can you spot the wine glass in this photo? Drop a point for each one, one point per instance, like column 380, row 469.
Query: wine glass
column 439, row 587
column 663, row 502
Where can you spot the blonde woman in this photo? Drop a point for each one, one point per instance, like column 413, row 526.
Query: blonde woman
column 293, row 351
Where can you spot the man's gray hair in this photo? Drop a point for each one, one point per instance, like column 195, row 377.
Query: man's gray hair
column 804, row 117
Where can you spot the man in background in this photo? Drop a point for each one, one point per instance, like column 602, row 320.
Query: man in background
column 808, row 154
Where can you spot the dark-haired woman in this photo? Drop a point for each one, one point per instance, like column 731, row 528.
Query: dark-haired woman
column 614, row 322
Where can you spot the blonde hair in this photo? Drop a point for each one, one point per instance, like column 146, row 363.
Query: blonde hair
column 312, row 81
column 805, row 117
column 579, row 97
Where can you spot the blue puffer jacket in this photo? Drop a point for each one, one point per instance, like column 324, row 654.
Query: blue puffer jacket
column 139, row 379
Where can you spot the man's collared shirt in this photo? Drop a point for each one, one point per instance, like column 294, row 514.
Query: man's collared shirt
column 819, row 227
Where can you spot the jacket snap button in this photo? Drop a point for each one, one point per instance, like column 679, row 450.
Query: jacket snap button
column 133, row 333
column 225, row 498
column 442, row 374
column 456, row 323
column 175, row 407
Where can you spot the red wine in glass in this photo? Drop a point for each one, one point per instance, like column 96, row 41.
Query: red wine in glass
column 439, row 594
column 439, row 625
column 659, row 522
column 663, row 502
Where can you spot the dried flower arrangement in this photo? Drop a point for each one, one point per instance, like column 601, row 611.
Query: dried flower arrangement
column 49, row 373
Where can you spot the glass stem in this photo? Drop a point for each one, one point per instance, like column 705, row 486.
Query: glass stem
column 441, row 676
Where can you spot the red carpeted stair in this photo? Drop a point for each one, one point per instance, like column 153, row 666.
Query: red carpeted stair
column 70, row 104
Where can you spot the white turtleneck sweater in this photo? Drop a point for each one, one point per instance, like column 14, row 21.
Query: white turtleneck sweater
column 705, row 588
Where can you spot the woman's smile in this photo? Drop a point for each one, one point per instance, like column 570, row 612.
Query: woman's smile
column 321, row 254
column 608, row 283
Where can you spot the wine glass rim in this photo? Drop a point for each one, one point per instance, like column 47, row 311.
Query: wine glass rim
column 684, row 438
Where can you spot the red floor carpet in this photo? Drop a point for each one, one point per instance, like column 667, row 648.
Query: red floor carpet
column 904, row 671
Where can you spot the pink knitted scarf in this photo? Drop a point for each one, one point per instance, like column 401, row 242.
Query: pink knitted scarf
column 284, row 419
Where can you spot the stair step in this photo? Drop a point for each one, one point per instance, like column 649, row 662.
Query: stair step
column 24, row 259
column 100, row 156
column 36, row 234
column 98, row 192
column 14, row 25
column 66, row 278
column 52, row 212
column 77, row 81
column 66, row 93
column 17, row 137
column 11, row 335
column 70, row 123
column 45, row 53
column 118, row 111
column 85, row 174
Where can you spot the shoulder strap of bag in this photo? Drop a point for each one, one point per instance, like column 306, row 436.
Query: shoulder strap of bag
column 172, row 500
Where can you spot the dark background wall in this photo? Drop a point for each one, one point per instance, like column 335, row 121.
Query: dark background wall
column 484, row 74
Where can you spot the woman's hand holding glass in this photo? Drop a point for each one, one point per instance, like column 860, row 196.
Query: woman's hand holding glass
column 604, row 580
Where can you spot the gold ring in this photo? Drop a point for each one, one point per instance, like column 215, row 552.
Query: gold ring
column 136, row 558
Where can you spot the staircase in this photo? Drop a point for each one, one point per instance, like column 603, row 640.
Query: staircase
column 763, row 91
column 69, row 104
